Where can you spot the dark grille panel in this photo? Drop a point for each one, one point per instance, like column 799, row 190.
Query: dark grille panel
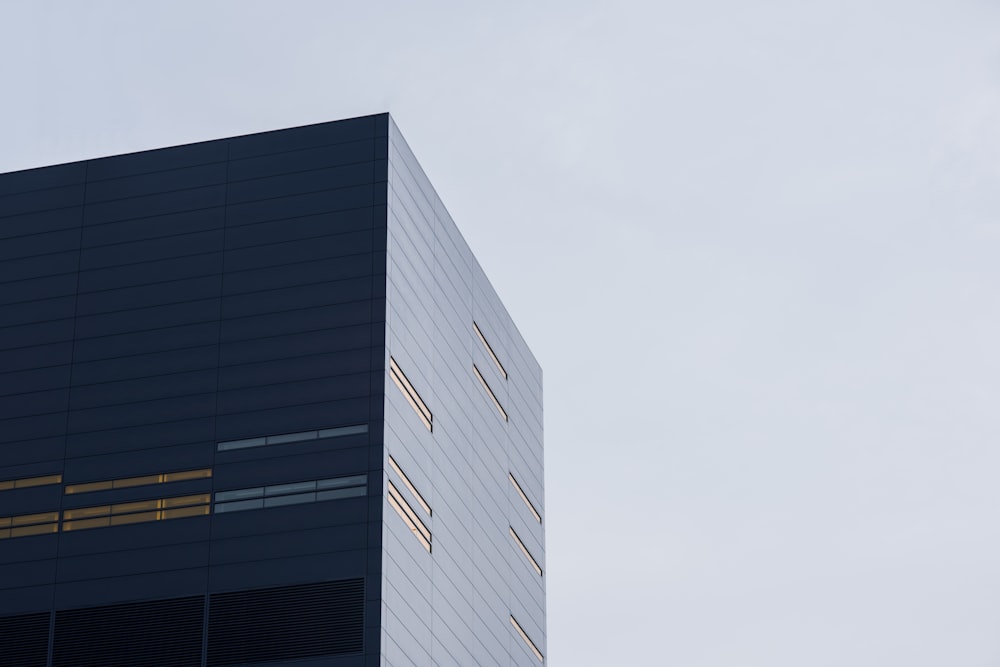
column 164, row 633
column 24, row 640
column 285, row 623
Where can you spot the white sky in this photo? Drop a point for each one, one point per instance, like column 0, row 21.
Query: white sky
column 753, row 244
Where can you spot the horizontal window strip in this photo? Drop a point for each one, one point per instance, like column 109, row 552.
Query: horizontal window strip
column 29, row 524
column 527, row 554
column 489, row 349
column 145, row 480
column 409, row 517
column 300, row 436
column 486, row 386
column 28, row 482
column 412, row 397
column 294, row 493
column 409, row 485
column 526, row 638
column 524, row 497
column 141, row 511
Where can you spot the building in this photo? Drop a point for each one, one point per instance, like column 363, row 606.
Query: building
column 259, row 405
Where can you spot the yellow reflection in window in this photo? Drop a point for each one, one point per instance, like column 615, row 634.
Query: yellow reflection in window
column 29, row 524
column 137, row 512
column 30, row 481
column 144, row 480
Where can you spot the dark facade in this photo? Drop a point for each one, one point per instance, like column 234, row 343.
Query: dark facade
column 260, row 405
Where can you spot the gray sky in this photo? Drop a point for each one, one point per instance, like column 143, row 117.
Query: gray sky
column 753, row 245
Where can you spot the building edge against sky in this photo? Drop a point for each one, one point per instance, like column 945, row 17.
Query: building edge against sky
column 261, row 373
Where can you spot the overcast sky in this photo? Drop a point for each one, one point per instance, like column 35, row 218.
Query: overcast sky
column 754, row 246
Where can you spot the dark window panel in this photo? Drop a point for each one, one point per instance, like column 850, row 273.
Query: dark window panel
column 158, row 182
column 41, row 200
column 38, row 333
column 27, row 573
column 299, row 160
column 39, row 356
column 285, row 571
column 309, row 136
column 175, row 291
column 359, row 196
column 27, row 428
column 145, row 342
column 294, row 466
column 175, row 157
column 323, row 247
column 39, row 310
column 137, row 463
column 33, row 403
column 294, row 393
column 295, row 368
column 167, row 247
column 158, row 204
column 40, row 244
column 147, row 412
column 144, row 228
column 39, row 265
column 300, row 182
column 134, row 561
column 38, row 288
column 41, row 221
column 137, row 438
column 142, row 389
column 145, row 365
column 302, row 273
column 292, row 543
column 42, row 178
column 302, row 227
column 294, row 321
column 297, row 297
column 149, row 272
column 293, row 345
column 32, row 450
column 141, row 319
column 292, row 418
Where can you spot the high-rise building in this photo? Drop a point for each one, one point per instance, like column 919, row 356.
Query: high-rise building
column 259, row 405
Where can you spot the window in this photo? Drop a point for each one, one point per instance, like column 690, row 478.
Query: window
column 300, row 436
column 412, row 397
column 524, row 497
column 409, row 485
column 162, row 478
column 486, row 386
column 136, row 512
column 29, row 524
column 489, row 349
column 294, row 493
column 527, row 640
column 524, row 549
column 29, row 482
column 409, row 517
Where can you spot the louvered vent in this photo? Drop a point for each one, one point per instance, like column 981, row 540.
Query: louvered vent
column 286, row 623
column 24, row 640
column 164, row 633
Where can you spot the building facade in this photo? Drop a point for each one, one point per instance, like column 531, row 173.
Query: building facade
column 259, row 405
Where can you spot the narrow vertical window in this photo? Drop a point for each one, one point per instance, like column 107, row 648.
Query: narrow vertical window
column 527, row 639
column 493, row 397
column 408, row 516
column 524, row 497
column 411, row 394
column 524, row 550
column 489, row 349
column 409, row 485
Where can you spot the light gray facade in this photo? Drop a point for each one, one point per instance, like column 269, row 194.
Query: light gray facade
column 468, row 599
